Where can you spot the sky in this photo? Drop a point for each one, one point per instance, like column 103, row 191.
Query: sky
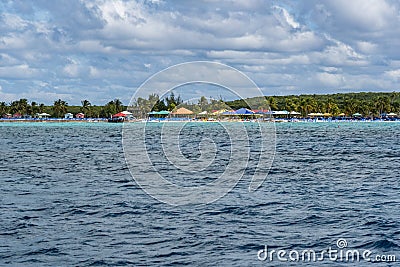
column 100, row 50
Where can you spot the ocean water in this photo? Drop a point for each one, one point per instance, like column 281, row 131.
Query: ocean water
column 68, row 199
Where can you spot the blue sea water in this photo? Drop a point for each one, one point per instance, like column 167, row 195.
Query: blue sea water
column 67, row 199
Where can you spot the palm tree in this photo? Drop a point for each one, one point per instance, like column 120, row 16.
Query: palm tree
column 382, row 104
column 396, row 106
column 108, row 110
column 23, row 106
column 86, row 108
column 290, row 105
column 59, row 108
column 272, row 103
column 307, row 105
column 143, row 106
column 203, row 102
column 41, row 108
column 118, row 105
column 153, row 101
column 14, row 107
column 34, row 108
column 331, row 106
column 3, row 108
column 351, row 106
column 393, row 97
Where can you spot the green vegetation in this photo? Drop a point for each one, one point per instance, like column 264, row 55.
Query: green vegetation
column 60, row 107
column 368, row 104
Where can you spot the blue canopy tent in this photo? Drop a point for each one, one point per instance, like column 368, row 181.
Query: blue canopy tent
column 244, row 111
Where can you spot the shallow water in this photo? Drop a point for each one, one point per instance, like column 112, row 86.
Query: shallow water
column 67, row 198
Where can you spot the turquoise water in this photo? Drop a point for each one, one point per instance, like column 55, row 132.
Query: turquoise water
column 68, row 198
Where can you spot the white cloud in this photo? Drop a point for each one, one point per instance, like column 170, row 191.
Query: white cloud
column 118, row 44
column 367, row 15
column 366, row 47
column 330, row 80
column 393, row 74
column 330, row 69
column 12, row 22
column 7, row 60
column 288, row 18
column 71, row 70
column 23, row 71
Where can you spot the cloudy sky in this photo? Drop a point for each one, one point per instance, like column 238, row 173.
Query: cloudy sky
column 100, row 49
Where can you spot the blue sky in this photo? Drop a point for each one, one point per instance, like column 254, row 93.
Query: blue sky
column 100, row 50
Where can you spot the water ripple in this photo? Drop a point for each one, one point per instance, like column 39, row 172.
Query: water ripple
column 68, row 199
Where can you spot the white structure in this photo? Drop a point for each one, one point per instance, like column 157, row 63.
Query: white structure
column 42, row 115
column 68, row 116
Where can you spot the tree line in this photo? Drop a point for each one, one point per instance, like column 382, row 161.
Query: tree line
column 60, row 108
column 368, row 104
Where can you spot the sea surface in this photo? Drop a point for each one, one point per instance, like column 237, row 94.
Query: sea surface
column 68, row 199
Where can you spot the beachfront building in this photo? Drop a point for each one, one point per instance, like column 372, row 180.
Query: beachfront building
column 182, row 114
column 119, row 117
column 128, row 115
column 68, row 116
column 202, row 115
column 42, row 115
column 17, row 116
column 80, row 116
column 158, row 115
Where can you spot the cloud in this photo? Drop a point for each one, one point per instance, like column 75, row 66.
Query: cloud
column 288, row 18
column 12, row 22
column 331, row 80
column 107, row 48
column 364, row 15
column 18, row 72
column 393, row 74
column 366, row 47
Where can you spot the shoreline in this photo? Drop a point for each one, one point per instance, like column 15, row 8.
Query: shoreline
column 51, row 120
column 196, row 121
